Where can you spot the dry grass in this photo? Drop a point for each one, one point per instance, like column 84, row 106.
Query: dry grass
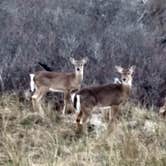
column 27, row 139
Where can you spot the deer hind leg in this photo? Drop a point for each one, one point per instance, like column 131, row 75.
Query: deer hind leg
column 81, row 121
column 85, row 117
column 66, row 99
column 78, row 118
column 82, row 118
column 36, row 98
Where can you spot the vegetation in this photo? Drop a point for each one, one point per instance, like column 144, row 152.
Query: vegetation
column 109, row 32
column 27, row 139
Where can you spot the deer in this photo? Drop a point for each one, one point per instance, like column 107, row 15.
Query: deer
column 110, row 95
column 42, row 82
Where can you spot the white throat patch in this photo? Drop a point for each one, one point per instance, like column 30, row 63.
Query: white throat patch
column 129, row 83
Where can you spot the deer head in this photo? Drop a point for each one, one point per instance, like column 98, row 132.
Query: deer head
column 126, row 74
column 79, row 64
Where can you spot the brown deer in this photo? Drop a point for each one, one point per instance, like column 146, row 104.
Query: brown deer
column 110, row 95
column 44, row 81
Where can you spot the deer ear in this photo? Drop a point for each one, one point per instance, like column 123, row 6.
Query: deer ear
column 85, row 60
column 132, row 68
column 119, row 69
column 72, row 60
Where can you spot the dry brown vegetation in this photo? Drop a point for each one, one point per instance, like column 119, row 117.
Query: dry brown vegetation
column 27, row 139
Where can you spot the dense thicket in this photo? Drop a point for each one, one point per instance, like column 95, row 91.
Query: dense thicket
column 109, row 32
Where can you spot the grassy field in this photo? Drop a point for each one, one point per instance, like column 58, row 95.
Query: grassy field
column 27, row 139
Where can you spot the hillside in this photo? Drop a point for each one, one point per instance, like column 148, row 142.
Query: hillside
column 26, row 138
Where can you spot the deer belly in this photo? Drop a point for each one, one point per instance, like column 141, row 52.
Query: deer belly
column 103, row 104
column 56, row 90
column 106, row 102
column 103, row 107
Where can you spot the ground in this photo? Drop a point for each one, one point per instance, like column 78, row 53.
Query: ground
column 28, row 139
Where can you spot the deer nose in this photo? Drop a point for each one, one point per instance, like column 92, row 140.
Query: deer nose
column 78, row 69
column 124, row 79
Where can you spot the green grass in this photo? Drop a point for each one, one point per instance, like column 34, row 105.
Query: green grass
column 28, row 139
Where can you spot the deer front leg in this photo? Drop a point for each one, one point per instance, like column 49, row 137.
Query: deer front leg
column 113, row 118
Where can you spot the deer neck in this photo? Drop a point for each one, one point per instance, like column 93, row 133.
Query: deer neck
column 127, row 89
column 128, row 84
column 79, row 76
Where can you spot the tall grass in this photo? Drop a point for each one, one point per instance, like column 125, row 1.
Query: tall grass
column 28, row 139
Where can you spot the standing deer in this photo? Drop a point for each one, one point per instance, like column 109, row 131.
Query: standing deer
column 110, row 95
column 44, row 81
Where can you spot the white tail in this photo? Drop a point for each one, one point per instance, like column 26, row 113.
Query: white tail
column 117, row 81
column 78, row 104
column 32, row 83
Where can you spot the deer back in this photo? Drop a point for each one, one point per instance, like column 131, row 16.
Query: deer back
column 56, row 81
column 106, row 95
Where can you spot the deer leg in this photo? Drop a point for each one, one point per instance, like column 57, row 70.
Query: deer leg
column 114, row 113
column 36, row 98
column 84, row 122
column 38, row 101
column 78, row 118
column 34, row 104
column 106, row 115
column 114, row 117
column 66, row 97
